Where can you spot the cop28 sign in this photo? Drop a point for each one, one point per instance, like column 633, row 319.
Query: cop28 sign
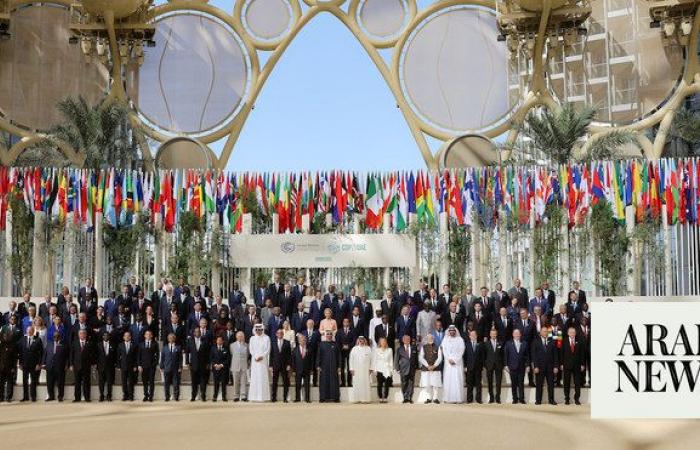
column 323, row 250
column 646, row 360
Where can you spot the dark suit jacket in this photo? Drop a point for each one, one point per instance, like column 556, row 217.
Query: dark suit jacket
column 55, row 359
column 473, row 359
column 274, row 292
column 106, row 361
column 180, row 333
column 379, row 333
column 148, row 357
column 299, row 323
column 198, row 360
column 305, row 365
column 516, row 360
column 23, row 310
column 390, row 311
column 544, row 358
column 505, row 333
column 345, row 339
column 493, row 358
column 220, row 357
column 405, row 327
column 81, row 358
column 280, row 358
column 31, row 354
column 501, row 300
column 528, row 331
column 170, row 361
column 482, row 326
column 312, row 340
column 403, row 363
column 572, row 361
column 259, row 297
column 447, row 320
column 127, row 361
column 360, row 328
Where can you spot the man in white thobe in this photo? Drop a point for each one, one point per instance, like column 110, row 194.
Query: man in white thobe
column 360, row 362
column 376, row 320
column 259, row 347
column 453, row 372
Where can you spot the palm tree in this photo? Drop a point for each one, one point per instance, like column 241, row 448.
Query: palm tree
column 559, row 134
column 685, row 134
column 102, row 133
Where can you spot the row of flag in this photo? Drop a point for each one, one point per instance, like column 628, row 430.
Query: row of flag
column 487, row 194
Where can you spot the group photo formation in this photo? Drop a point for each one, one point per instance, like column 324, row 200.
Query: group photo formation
column 233, row 222
column 446, row 345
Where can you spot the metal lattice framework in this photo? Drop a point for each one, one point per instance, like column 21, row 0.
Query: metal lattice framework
column 192, row 70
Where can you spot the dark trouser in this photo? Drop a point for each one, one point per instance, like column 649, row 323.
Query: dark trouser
column 474, row 383
column 7, row 384
column 285, row 383
column 345, row 374
column 407, row 382
column 299, row 379
column 128, row 381
column 148, row 378
column 105, row 378
column 517, row 384
column 540, row 378
column 172, row 378
column 495, row 389
column 530, row 373
column 314, row 372
column 383, row 385
column 220, row 379
column 30, row 379
column 82, row 383
column 574, row 373
column 200, row 379
column 55, row 379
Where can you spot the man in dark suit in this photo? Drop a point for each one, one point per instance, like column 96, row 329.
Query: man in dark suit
column 405, row 325
column 203, row 290
column 545, row 362
column 520, row 293
column 516, row 362
column 299, row 290
column 528, row 330
column 299, row 318
column 390, row 307
column 572, row 364
column 563, row 318
column 500, row 297
column 128, row 365
column 275, row 289
column 249, row 321
column 384, row 330
column 473, row 363
column 549, row 296
column 156, row 296
column 194, row 318
column 287, row 305
column 584, row 332
column 87, row 298
column 357, row 324
column 24, row 305
column 106, row 363
column 30, row 355
column 503, row 324
column 220, row 359
column 313, row 338
column 453, row 317
column 147, row 363
column 140, row 303
column 366, row 313
column 303, row 363
column 488, row 306
column 346, row 341
column 580, row 293
column 280, row 363
column 235, row 298
column 406, row 363
column 197, row 358
column 9, row 348
column 493, row 363
column 481, row 322
column 260, row 295
column 419, row 296
column 166, row 305
column 54, row 362
column 81, row 361
column 171, row 365
column 44, row 309
column 134, row 287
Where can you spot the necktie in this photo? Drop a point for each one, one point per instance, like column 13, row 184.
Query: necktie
column 106, row 349
column 171, row 348
column 478, row 316
column 302, row 352
column 571, row 344
column 82, row 345
column 148, row 344
column 493, row 344
column 474, row 347
column 544, row 342
column 126, row 346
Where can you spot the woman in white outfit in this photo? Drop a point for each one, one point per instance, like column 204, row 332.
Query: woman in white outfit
column 383, row 366
column 360, row 368
column 430, row 358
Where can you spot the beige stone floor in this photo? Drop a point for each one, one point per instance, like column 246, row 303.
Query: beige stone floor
column 337, row 426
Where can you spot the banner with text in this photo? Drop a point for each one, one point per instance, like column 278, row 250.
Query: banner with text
column 323, row 250
column 645, row 360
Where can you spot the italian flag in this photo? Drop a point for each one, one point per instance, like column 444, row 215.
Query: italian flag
column 374, row 204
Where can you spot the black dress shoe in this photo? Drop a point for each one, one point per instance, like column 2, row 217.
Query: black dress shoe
column 308, row 401
column 522, row 402
column 50, row 399
column 491, row 401
column 235, row 399
column 515, row 402
column 566, row 402
column 244, row 400
column 498, row 400
column 428, row 401
column 577, row 402
column 296, row 400
column 553, row 403
column 193, row 399
column 436, row 401
column 538, row 403
column 76, row 401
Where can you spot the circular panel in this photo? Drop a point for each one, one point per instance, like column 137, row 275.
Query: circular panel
column 196, row 78
column 268, row 20
column 183, row 153
column 454, row 71
column 383, row 19
column 38, row 68
column 471, row 150
column 624, row 70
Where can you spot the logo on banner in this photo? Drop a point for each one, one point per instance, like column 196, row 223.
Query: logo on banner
column 288, row 247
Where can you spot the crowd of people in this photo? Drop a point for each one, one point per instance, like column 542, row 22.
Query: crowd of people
column 445, row 343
